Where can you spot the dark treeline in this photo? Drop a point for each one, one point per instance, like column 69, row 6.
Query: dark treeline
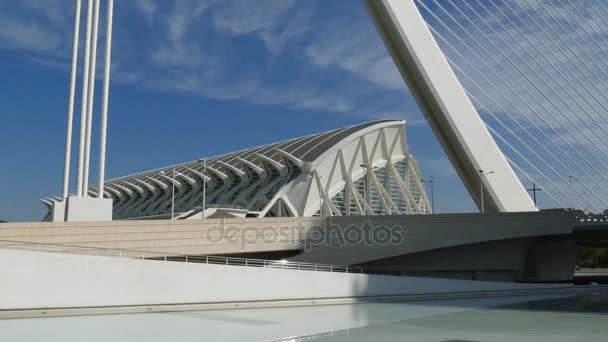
column 592, row 258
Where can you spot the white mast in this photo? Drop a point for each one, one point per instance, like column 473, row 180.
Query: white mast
column 91, row 96
column 70, row 118
column 83, row 104
column 106, row 92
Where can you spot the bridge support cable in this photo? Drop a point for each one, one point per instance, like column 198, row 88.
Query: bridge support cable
column 585, row 51
column 527, row 72
column 525, row 75
column 520, row 170
column 520, row 126
column 548, row 180
column 514, row 92
column 521, row 156
column 533, row 166
column 516, row 151
column 603, row 17
column 560, row 73
column 597, row 58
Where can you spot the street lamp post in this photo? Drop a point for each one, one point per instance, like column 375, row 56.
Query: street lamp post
column 175, row 173
column 173, row 196
column 172, row 193
column 432, row 182
column 586, row 201
column 481, row 174
column 570, row 178
column 204, row 160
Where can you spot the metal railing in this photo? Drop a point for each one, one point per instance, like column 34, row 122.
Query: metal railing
column 590, row 219
column 174, row 257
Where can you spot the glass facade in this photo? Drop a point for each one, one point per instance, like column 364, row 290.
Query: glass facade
column 391, row 187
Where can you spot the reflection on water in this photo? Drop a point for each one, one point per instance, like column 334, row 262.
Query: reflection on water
column 547, row 318
column 579, row 318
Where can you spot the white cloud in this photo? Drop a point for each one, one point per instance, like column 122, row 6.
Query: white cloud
column 196, row 57
column 244, row 17
column 27, row 35
column 56, row 13
column 273, row 52
column 357, row 50
column 274, row 22
column 147, row 8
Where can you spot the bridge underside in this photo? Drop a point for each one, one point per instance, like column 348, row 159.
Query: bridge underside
column 519, row 260
column 592, row 234
column 520, row 247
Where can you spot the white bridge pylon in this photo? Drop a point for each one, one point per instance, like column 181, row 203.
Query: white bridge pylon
column 447, row 108
column 79, row 206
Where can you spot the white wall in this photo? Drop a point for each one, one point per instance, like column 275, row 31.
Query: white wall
column 48, row 280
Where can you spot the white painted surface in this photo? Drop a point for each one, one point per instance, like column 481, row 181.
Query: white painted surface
column 446, row 106
column 91, row 97
column 88, row 209
column 71, row 96
column 58, row 211
column 103, row 122
column 47, row 280
column 83, row 102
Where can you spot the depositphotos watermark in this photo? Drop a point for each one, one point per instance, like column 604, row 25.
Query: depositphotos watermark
column 306, row 235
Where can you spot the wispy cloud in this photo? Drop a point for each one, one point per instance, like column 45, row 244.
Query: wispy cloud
column 361, row 54
column 275, row 22
column 286, row 53
column 33, row 26
column 147, row 8
column 19, row 34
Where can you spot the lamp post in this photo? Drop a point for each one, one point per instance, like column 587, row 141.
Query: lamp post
column 204, row 160
column 175, row 173
column 432, row 182
column 172, row 193
column 481, row 174
column 570, row 178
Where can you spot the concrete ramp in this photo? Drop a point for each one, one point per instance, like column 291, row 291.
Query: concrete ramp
column 36, row 283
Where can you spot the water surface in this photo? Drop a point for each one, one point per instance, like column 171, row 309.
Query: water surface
column 539, row 318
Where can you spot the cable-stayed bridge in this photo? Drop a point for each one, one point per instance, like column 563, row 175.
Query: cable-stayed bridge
column 516, row 92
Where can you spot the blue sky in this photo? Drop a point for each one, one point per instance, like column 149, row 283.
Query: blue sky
column 537, row 72
column 196, row 78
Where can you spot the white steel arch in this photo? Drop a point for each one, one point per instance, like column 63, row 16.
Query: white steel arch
column 449, row 111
